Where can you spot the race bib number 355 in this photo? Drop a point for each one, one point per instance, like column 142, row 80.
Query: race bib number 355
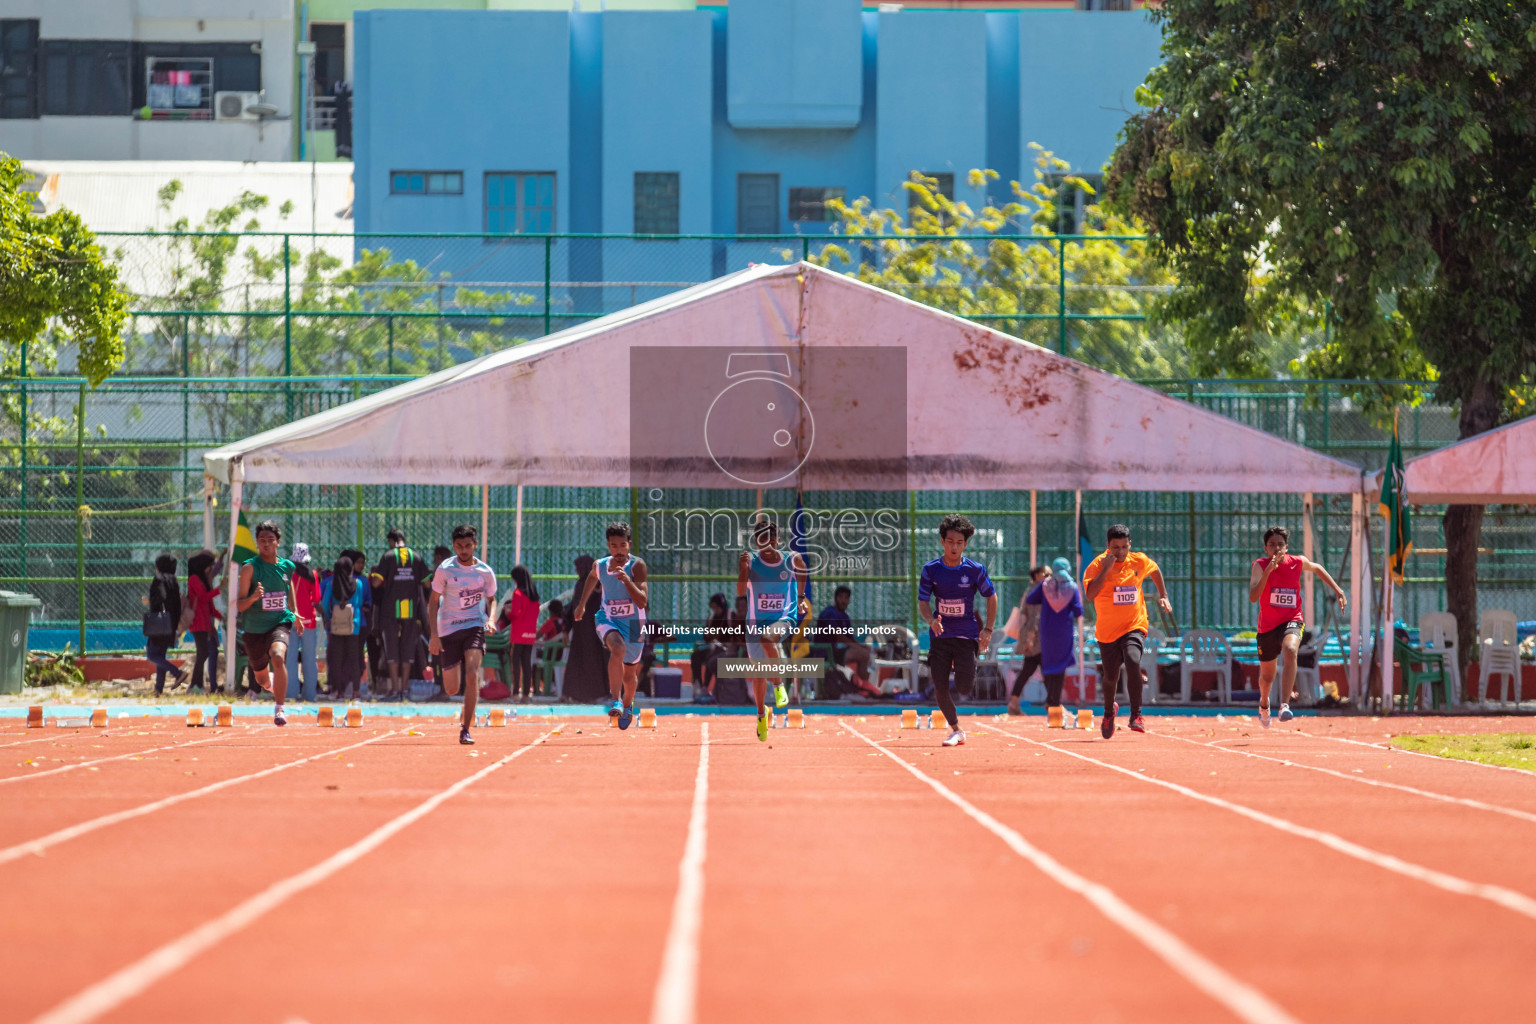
column 951, row 608
column 1127, row 595
column 1282, row 598
column 274, row 602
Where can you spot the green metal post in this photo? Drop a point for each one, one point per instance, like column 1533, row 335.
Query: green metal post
column 549, row 255
column 805, row 248
column 80, row 511
column 357, row 489
column 389, row 322
column 1061, row 296
column 287, row 309
column 25, row 415
column 1194, row 545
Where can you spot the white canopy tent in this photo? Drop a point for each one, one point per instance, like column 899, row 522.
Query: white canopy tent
column 983, row 410
column 1493, row 468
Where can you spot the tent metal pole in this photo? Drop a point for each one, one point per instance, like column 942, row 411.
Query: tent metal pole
column 1307, row 548
column 1034, row 526
column 1082, row 666
column 517, row 534
column 232, row 585
column 1387, row 635
column 210, row 493
column 1357, row 592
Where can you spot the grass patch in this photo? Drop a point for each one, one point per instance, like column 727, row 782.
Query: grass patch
column 1507, row 749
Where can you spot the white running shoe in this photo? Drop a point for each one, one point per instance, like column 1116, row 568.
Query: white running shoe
column 954, row 739
column 280, row 716
column 1285, row 713
column 1264, row 717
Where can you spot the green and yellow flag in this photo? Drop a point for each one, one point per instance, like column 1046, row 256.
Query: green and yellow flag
column 1399, row 528
column 245, row 542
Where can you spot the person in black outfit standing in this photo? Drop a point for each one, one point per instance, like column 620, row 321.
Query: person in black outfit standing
column 586, row 667
column 164, row 596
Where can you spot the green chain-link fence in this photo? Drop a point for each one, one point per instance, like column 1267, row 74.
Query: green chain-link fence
column 238, row 333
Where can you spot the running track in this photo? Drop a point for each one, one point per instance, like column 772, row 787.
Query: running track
column 1205, row 872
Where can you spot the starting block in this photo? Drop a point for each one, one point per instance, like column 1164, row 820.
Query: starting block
column 794, row 718
column 327, row 717
column 496, row 718
column 647, row 718
column 354, row 718
column 936, row 720
column 1053, row 717
column 909, row 718
column 1085, row 718
column 99, row 718
column 194, row 717
column 226, row 716
column 35, row 716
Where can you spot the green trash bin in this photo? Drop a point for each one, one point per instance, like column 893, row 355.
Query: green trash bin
column 15, row 610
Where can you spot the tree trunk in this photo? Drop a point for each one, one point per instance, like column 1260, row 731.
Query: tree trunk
column 1480, row 409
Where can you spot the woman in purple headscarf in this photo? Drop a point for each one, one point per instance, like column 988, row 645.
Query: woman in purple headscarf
column 1061, row 606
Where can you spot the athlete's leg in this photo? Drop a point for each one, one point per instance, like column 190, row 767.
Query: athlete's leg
column 471, row 685
column 1111, row 660
column 1288, row 649
column 1053, row 681
column 1131, row 650
column 770, row 648
column 1266, row 681
column 966, row 653
column 614, row 641
column 941, row 659
column 279, row 666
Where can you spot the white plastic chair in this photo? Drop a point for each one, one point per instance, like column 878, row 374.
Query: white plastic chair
column 908, row 667
column 1205, row 650
column 1437, row 632
column 1500, row 642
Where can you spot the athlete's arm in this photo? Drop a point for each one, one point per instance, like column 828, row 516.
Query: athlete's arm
column 1256, row 578
column 1156, row 576
column 933, row 621
column 986, row 626
column 1092, row 587
column 586, row 592
column 639, row 590
column 1338, row 591
column 293, row 602
column 743, row 570
column 434, row 644
column 490, row 602
column 248, row 596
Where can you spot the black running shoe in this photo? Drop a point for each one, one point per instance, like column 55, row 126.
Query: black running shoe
column 465, row 738
column 1108, row 726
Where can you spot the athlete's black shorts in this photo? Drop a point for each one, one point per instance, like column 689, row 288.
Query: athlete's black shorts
column 1270, row 640
column 952, row 653
column 459, row 641
column 400, row 639
column 258, row 646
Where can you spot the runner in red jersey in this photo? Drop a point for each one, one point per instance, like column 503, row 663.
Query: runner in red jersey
column 1275, row 583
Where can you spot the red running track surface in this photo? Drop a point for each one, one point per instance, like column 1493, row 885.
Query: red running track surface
column 851, row 871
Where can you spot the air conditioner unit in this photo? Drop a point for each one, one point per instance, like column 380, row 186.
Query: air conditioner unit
column 236, row 106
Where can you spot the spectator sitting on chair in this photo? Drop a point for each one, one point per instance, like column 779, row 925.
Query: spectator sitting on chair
column 702, row 661
column 835, row 626
column 1028, row 639
column 554, row 626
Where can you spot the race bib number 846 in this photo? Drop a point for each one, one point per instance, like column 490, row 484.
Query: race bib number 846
column 770, row 602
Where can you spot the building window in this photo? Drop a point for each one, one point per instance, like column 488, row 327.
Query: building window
column 426, row 183
column 179, row 88
column 1072, row 201
column 810, row 204
column 656, row 202
column 757, row 204
column 519, row 202
column 85, row 77
column 1104, row 5
column 18, row 67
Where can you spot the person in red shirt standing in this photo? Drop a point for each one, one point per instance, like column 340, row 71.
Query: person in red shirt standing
column 202, row 574
column 1275, row 584
column 521, row 615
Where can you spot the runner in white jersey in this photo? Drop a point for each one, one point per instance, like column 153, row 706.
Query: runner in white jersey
column 463, row 601
column 620, row 618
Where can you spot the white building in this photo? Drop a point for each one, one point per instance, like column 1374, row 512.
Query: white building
column 147, row 79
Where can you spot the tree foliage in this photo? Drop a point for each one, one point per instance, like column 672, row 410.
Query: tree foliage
column 1374, row 158
column 56, row 287
column 974, row 263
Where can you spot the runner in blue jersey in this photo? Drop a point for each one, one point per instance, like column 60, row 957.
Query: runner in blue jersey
column 772, row 583
column 463, row 600
column 619, row 619
column 955, row 634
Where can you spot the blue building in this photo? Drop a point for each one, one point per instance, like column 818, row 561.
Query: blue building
column 737, row 121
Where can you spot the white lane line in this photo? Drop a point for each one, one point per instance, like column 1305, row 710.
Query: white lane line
column 1419, row 753
column 37, row 846
column 1247, row 1002
column 121, row 986
column 104, row 760
column 1497, row 894
column 40, row 739
column 1363, row 780
column 676, row 997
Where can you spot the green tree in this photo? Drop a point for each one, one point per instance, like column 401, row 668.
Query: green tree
column 1373, row 157
column 56, row 287
column 944, row 254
